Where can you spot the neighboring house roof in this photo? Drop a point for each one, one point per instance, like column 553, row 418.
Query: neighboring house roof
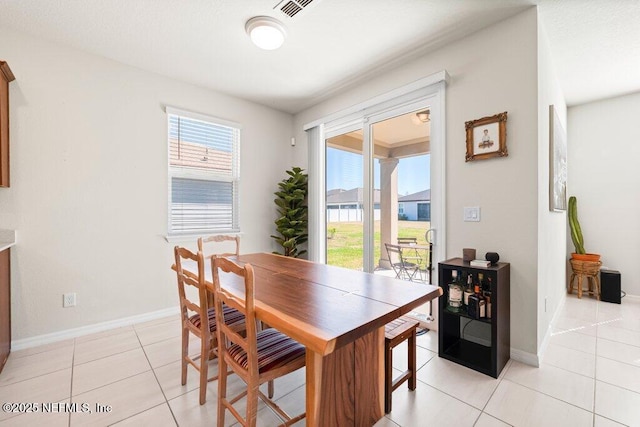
column 420, row 196
column 340, row 196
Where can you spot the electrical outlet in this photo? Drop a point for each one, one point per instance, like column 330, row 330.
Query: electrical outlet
column 69, row 300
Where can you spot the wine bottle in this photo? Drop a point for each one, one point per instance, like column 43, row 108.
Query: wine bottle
column 468, row 291
column 454, row 302
column 477, row 304
column 482, row 303
column 473, row 308
column 487, row 294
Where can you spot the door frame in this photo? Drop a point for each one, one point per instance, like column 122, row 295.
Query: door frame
column 429, row 91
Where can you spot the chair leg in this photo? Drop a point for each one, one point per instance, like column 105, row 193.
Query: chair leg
column 185, row 350
column 222, row 389
column 597, row 279
column 205, row 349
column 271, row 389
column 252, row 405
column 388, row 376
column 412, row 360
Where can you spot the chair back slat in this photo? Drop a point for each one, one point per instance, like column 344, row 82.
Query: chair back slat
column 219, row 238
column 407, row 240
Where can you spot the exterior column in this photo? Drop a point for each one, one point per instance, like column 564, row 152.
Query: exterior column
column 388, row 207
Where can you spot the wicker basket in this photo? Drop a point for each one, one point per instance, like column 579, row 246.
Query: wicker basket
column 588, row 268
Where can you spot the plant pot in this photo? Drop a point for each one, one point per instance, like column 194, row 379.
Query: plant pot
column 585, row 257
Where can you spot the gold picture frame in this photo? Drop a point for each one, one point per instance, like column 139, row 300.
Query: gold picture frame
column 481, row 134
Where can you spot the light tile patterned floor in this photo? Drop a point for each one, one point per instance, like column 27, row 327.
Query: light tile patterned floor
column 590, row 377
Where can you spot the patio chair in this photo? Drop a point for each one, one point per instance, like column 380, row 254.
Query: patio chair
column 404, row 269
column 410, row 255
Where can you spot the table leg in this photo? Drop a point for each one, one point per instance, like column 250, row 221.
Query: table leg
column 342, row 385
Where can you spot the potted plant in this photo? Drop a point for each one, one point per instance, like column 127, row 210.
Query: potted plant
column 576, row 234
column 291, row 224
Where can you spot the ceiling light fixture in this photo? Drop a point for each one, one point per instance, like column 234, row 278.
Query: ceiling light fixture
column 423, row 116
column 265, row 32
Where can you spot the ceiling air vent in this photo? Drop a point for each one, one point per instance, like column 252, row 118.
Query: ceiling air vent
column 292, row 7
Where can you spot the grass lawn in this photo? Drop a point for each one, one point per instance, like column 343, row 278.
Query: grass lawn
column 345, row 248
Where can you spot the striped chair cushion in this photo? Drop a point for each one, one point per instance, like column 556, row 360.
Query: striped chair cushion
column 274, row 350
column 232, row 317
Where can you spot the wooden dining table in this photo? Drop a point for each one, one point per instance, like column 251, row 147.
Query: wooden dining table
column 339, row 316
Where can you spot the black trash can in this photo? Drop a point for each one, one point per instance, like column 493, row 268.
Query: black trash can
column 610, row 290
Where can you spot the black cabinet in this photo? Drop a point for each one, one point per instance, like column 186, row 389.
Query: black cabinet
column 480, row 344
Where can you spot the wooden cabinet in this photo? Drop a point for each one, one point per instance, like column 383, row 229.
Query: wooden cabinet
column 6, row 76
column 480, row 344
column 5, row 308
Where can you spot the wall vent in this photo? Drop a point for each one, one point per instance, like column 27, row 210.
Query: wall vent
column 292, row 7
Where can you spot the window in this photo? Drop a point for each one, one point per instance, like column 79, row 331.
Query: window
column 400, row 208
column 204, row 174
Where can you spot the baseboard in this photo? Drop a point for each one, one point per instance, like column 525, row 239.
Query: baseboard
column 547, row 336
column 90, row 329
column 525, row 357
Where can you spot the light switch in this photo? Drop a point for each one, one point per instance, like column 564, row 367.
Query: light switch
column 472, row 214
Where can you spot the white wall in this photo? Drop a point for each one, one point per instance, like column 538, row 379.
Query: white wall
column 492, row 71
column 604, row 154
column 552, row 226
column 89, row 183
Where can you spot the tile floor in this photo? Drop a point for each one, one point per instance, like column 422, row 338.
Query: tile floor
column 590, row 377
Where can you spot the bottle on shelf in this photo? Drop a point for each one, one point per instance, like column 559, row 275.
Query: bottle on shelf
column 454, row 302
column 482, row 283
column 486, row 291
column 477, row 304
column 482, row 303
column 468, row 291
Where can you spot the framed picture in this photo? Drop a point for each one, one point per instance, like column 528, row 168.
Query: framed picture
column 487, row 137
column 557, row 163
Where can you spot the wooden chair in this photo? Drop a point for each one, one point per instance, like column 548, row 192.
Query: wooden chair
column 403, row 268
column 198, row 318
column 259, row 357
column 219, row 238
column 395, row 333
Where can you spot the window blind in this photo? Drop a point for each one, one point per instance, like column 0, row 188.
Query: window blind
column 204, row 174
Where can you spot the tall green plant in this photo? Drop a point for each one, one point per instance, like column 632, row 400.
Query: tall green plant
column 291, row 224
column 576, row 231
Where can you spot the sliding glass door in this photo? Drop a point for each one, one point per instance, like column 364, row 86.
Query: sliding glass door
column 345, row 207
column 369, row 168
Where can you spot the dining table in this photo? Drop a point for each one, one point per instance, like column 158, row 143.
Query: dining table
column 339, row 316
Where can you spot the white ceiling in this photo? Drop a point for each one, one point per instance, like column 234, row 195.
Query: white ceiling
column 332, row 43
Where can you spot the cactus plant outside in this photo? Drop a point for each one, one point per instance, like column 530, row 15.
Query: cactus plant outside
column 291, row 224
column 576, row 231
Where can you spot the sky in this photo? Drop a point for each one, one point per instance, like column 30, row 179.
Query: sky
column 344, row 170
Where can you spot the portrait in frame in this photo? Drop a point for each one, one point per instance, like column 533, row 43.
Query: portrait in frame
column 487, row 137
